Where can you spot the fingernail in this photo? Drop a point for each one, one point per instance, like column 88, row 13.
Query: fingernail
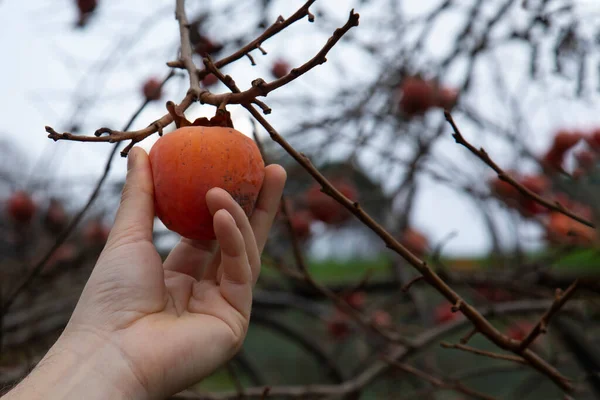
column 228, row 215
column 219, row 189
column 131, row 160
column 231, row 216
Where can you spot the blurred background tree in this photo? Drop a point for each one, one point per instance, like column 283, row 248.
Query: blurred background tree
column 521, row 79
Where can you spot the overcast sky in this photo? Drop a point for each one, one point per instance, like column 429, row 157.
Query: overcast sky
column 46, row 61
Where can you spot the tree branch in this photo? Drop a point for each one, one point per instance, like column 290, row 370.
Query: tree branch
column 483, row 156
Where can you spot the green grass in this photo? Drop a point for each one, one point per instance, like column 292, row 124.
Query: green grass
column 350, row 270
column 581, row 261
column 585, row 262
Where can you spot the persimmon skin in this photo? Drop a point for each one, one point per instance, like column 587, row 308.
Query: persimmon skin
column 190, row 161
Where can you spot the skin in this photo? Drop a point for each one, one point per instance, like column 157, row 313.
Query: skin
column 144, row 329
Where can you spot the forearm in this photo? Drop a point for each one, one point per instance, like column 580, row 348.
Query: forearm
column 75, row 369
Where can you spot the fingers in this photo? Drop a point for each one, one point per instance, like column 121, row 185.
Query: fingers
column 236, row 281
column 135, row 216
column 190, row 257
column 218, row 199
column 267, row 204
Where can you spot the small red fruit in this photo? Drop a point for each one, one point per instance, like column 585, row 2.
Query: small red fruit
column 443, row 313
column 20, row 207
column 447, row 98
column 381, row 318
column 95, row 233
column 578, row 173
column 530, row 208
column 326, row 208
column 300, row 221
column 86, row 6
column 553, row 159
column 564, row 140
column 519, row 330
column 67, row 252
column 56, row 216
column 190, row 161
column 504, row 190
column 280, row 69
column 205, row 46
column 338, row 326
column 415, row 242
column 564, row 230
column 209, row 80
column 152, row 89
column 356, row 299
column 593, row 139
column 564, row 200
column 85, row 9
column 418, row 96
column 538, row 184
column 586, row 159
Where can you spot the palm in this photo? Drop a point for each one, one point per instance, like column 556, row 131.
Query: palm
column 177, row 321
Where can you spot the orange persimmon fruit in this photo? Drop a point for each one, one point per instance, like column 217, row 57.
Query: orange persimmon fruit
column 190, row 161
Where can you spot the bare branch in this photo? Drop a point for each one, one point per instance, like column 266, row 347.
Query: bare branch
column 483, row 156
column 439, row 382
column 186, row 49
column 484, row 353
column 541, row 326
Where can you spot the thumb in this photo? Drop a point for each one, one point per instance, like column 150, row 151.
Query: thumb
column 135, row 217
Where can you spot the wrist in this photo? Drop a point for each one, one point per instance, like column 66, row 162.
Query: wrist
column 81, row 365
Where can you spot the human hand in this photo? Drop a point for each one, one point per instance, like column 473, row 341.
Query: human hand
column 150, row 329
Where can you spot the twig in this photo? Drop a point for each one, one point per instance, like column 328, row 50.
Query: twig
column 484, row 353
column 186, row 49
column 479, row 371
column 465, row 339
column 408, row 285
column 265, row 393
column 439, row 382
column 559, row 301
column 359, row 285
column 118, row 136
column 279, row 25
column 236, row 380
column 193, row 94
column 262, row 88
column 483, row 156
column 259, row 88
